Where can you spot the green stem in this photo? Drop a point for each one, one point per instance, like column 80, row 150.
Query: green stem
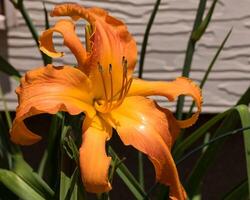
column 6, row 110
column 29, row 23
column 146, row 35
column 140, row 169
column 189, row 55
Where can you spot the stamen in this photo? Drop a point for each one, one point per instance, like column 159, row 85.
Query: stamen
column 125, row 73
column 128, row 86
column 123, row 59
column 111, row 87
column 124, row 77
column 100, row 68
column 125, row 84
column 125, row 92
column 110, row 68
column 111, row 102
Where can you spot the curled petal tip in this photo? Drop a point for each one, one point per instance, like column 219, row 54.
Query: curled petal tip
column 171, row 90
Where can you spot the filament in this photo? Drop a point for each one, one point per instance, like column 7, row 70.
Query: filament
column 110, row 102
column 103, row 82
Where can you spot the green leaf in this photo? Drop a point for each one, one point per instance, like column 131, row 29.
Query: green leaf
column 24, row 171
column 68, row 189
column 51, row 150
column 18, row 186
column 71, row 148
column 198, row 133
column 5, row 145
column 163, row 193
column 240, row 192
column 6, row 110
column 81, row 194
column 8, row 69
column 204, row 79
column 184, row 145
column 196, row 35
column 64, row 182
column 245, row 98
column 72, row 187
column 204, row 145
column 244, row 113
column 128, row 178
column 206, row 159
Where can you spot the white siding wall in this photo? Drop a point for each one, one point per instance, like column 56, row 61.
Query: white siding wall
column 167, row 43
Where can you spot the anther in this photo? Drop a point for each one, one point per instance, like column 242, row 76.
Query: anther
column 125, row 66
column 100, row 68
column 110, row 68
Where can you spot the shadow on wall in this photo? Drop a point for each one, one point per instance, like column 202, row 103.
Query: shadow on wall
column 4, row 80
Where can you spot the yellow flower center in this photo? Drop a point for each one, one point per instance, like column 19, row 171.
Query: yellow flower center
column 111, row 100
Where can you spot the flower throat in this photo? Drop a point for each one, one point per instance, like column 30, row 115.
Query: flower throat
column 111, row 100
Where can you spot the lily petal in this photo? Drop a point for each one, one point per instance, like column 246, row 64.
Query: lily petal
column 141, row 124
column 171, row 90
column 110, row 41
column 94, row 163
column 49, row 90
column 71, row 40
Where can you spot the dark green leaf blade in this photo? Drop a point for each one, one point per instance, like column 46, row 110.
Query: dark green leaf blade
column 205, row 77
column 245, row 121
column 146, row 36
column 128, row 178
column 245, row 98
column 18, row 186
column 206, row 159
column 197, row 134
column 46, row 17
column 8, row 69
column 26, row 173
column 240, row 192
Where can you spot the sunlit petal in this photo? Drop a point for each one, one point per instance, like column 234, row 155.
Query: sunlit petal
column 110, row 41
column 141, row 124
column 171, row 90
column 49, row 90
column 94, row 163
column 71, row 40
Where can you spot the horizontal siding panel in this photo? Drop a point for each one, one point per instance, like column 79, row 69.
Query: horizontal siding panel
column 166, row 46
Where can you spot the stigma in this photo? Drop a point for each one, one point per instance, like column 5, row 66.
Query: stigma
column 113, row 99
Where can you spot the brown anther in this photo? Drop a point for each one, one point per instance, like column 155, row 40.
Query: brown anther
column 110, row 68
column 100, row 68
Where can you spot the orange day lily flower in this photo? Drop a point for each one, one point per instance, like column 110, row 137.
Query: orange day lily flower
column 102, row 87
